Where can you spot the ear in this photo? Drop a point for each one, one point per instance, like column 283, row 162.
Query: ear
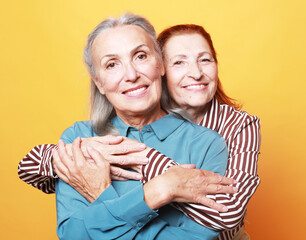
column 98, row 84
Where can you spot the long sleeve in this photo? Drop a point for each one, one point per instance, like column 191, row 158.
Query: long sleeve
column 117, row 217
column 35, row 168
column 106, row 218
column 242, row 166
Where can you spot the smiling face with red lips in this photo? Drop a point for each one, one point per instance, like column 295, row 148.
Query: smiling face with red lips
column 192, row 73
column 128, row 71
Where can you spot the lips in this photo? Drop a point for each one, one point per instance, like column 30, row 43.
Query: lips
column 196, row 86
column 136, row 91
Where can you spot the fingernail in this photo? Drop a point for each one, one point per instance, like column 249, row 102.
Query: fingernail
column 142, row 145
column 139, row 176
column 225, row 209
column 235, row 189
column 235, row 181
column 145, row 161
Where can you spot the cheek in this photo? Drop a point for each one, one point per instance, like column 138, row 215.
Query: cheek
column 212, row 72
column 110, row 81
column 150, row 71
column 174, row 77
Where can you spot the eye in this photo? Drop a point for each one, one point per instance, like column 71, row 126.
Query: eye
column 178, row 63
column 141, row 56
column 110, row 65
column 204, row 60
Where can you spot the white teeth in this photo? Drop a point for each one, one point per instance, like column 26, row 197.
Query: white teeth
column 196, row 86
column 136, row 91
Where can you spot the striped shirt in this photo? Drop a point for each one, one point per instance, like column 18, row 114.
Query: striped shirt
column 242, row 134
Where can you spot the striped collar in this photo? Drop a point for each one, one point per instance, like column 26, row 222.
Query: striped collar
column 212, row 115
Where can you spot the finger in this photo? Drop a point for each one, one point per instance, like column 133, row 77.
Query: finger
column 77, row 153
column 109, row 139
column 217, row 188
column 212, row 204
column 188, row 166
column 227, row 181
column 63, row 155
column 60, row 169
column 96, row 156
column 137, row 168
column 119, row 172
column 124, row 160
column 128, row 148
column 113, row 177
column 211, row 177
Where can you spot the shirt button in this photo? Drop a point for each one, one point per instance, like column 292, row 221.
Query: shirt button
column 148, row 130
column 139, row 225
column 150, row 216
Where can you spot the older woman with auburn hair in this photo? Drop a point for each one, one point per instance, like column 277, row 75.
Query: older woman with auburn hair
column 193, row 84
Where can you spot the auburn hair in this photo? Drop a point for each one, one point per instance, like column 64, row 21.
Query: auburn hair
column 166, row 34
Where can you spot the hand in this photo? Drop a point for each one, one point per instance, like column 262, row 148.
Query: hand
column 180, row 184
column 122, row 153
column 89, row 177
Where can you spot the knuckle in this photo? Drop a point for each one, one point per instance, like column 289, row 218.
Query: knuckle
column 124, row 149
column 211, row 203
column 116, row 172
column 121, row 161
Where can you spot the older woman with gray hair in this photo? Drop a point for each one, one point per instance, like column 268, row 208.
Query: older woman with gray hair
column 126, row 68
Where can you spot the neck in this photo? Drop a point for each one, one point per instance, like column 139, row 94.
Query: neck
column 198, row 113
column 142, row 119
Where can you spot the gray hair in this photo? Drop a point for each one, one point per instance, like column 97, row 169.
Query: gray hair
column 102, row 111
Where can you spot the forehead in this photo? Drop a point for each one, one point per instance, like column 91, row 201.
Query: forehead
column 120, row 39
column 185, row 43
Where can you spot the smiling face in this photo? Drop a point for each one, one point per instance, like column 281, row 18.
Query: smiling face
column 192, row 73
column 128, row 70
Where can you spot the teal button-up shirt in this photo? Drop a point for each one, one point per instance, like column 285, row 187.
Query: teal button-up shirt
column 120, row 211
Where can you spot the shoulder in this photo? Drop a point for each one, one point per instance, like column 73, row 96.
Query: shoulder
column 78, row 129
column 207, row 149
column 202, row 134
column 236, row 118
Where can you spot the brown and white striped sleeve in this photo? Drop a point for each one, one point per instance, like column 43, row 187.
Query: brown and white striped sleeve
column 158, row 164
column 244, row 150
column 35, row 168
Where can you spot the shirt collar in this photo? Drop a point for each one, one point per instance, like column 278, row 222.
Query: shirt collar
column 162, row 128
column 212, row 115
column 165, row 126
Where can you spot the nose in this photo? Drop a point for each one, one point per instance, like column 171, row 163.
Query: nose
column 131, row 73
column 194, row 71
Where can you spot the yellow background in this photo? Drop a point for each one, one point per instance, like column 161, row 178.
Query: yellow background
column 44, row 89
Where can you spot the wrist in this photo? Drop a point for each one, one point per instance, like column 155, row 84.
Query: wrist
column 156, row 193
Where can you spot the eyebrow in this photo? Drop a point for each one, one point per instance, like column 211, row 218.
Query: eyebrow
column 179, row 55
column 139, row 46
column 185, row 56
column 115, row 55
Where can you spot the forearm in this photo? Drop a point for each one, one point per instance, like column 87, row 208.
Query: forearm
column 35, row 168
column 236, row 203
column 109, row 217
